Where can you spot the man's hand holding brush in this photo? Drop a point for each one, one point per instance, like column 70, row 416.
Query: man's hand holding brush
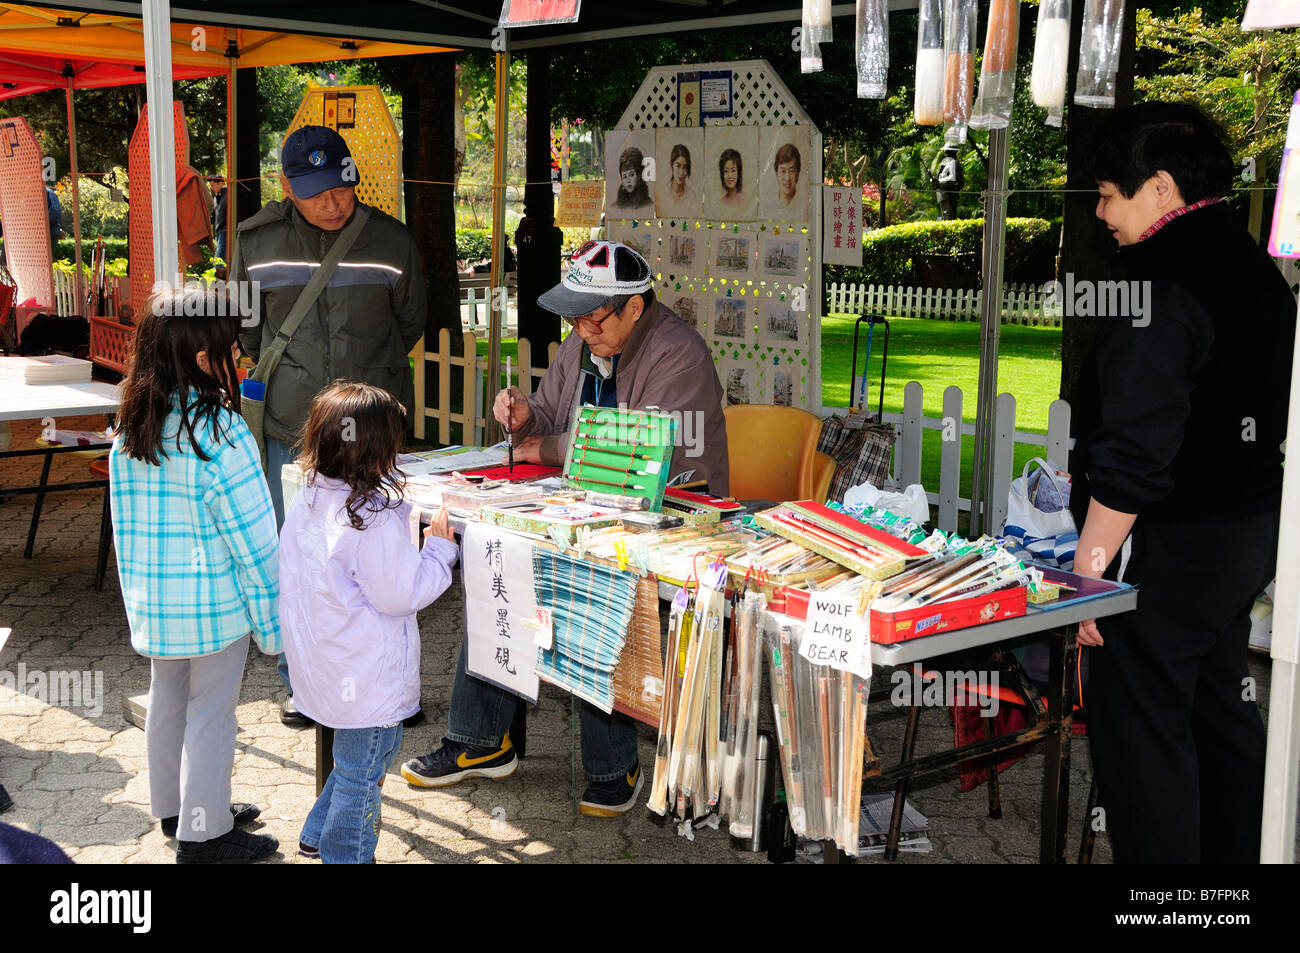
column 511, row 410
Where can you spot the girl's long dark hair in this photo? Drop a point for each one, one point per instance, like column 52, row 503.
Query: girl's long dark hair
column 353, row 434
column 175, row 326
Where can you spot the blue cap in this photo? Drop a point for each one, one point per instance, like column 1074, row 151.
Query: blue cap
column 316, row 158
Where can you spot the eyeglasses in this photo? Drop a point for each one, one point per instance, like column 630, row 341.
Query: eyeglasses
column 592, row 325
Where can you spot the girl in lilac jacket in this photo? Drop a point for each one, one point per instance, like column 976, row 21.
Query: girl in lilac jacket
column 351, row 582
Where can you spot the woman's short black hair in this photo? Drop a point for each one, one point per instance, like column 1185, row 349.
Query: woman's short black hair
column 1137, row 142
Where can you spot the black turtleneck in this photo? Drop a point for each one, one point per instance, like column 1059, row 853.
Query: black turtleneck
column 1181, row 418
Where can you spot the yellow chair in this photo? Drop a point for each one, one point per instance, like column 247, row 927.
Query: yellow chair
column 773, row 454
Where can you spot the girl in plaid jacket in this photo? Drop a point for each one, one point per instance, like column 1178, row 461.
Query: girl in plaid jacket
column 196, row 557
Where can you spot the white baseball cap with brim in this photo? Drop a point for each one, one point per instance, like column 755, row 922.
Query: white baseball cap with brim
column 598, row 272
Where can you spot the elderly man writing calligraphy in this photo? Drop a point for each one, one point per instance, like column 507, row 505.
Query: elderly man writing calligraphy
column 625, row 349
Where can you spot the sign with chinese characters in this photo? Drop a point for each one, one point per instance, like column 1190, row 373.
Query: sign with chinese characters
column 500, row 608
column 581, row 203
column 842, row 226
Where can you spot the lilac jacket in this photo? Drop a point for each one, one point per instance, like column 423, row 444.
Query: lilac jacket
column 348, row 600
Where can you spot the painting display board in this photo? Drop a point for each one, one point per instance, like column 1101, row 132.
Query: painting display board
column 747, row 269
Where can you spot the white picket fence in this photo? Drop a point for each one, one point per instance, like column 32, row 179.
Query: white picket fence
column 65, row 295
column 907, row 460
column 472, row 371
column 1021, row 304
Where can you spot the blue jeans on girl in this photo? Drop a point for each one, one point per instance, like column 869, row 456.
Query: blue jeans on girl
column 344, row 822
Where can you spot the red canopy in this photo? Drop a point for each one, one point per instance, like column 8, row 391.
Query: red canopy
column 24, row 73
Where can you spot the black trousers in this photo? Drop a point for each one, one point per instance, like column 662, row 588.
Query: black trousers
column 1177, row 738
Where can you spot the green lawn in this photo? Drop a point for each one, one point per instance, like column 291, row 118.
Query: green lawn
column 938, row 354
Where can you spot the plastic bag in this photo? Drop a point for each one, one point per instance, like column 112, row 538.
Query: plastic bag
column 911, row 502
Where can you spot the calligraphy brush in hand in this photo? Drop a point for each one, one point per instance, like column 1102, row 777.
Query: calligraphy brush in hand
column 510, row 417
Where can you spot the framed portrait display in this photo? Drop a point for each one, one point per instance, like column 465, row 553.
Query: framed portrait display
column 731, row 173
column 685, row 254
column 693, row 307
column 680, row 171
column 629, row 174
column 732, row 254
column 739, row 383
column 780, row 324
column 781, row 385
column 732, row 319
column 784, row 183
column 783, row 259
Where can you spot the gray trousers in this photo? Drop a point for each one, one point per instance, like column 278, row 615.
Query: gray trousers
column 190, row 739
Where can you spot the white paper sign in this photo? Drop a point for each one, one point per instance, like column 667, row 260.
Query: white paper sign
column 842, row 226
column 500, row 608
column 836, row 635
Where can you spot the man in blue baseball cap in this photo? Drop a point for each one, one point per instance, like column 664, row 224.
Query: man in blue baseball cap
column 365, row 320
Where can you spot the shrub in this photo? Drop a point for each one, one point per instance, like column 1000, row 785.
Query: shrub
column 63, row 250
column 473, row 244
column 892, row 255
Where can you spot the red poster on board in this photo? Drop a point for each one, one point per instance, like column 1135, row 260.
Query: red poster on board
column 519, row 13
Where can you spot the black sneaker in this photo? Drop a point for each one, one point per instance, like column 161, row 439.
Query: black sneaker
column 242, row 813
column 612, row 798
column 233, row 847
column 454, row 762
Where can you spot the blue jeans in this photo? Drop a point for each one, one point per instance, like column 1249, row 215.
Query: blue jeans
column 481, row 714
column 344, row 821
column 277, row 455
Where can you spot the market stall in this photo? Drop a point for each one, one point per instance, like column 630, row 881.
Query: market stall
column 568, row 572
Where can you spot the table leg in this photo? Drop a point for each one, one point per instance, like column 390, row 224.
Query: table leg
column 36, row 510
column 900, row 792
column 1056, row 761
column 324, row 755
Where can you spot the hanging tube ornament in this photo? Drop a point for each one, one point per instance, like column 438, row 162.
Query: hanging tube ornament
column 816, row 30
column 929, row 64
column 872, row 44
column 1103, row 25
column 998, row 77
column 1051, row 59
column 959, row 22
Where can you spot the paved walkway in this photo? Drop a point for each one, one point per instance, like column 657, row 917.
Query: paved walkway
column 76, row 770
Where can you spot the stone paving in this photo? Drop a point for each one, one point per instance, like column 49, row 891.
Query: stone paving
column 77, row 774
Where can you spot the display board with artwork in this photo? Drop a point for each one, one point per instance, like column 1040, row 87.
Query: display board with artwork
column 721, row 205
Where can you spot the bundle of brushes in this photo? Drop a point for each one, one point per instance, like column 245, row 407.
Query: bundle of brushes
column 708, row 727
column 821, row 715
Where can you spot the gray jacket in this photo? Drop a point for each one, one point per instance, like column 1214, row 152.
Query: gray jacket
column 665, row 364
column 366, row 320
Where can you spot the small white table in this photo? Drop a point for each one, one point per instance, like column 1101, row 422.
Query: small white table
column 37, row 402
column 34, row 401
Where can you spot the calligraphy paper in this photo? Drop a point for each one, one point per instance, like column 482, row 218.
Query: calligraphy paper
column 500, row 602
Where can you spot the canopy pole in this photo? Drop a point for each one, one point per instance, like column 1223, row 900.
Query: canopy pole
column 76, row 199
column 498, row 272
column 1282, row 762
column 232, row 106
column 162, row 138
column 995, row 235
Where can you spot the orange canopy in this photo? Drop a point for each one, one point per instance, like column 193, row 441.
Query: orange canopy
column 37, row 44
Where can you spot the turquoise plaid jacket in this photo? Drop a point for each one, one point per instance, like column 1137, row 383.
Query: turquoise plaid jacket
column 197, row 551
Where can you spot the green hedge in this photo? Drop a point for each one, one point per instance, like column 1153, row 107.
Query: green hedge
column 891, row 255
column 473, row 244
column 63, row 250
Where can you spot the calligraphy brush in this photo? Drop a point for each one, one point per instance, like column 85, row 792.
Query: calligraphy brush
column 616, row 451
column 510, row 414
column 621, row 486
column 579, row 464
